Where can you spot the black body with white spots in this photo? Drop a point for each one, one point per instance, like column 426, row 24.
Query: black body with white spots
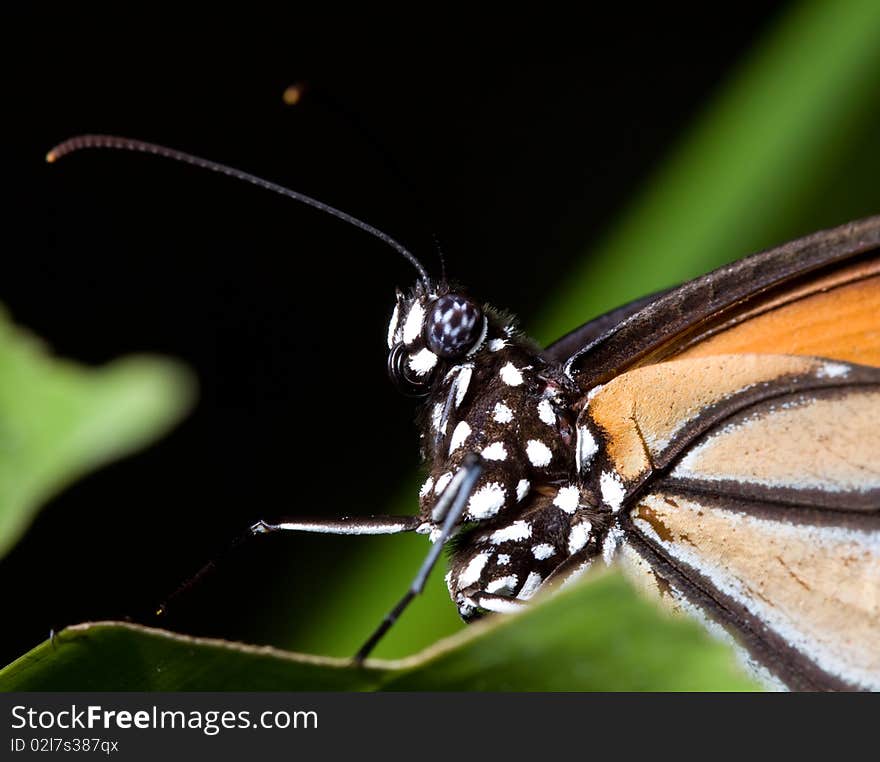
column 494, row 396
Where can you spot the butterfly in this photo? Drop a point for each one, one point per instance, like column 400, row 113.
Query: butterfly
column 720, row 442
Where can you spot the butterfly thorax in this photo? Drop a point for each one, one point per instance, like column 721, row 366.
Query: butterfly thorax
column 493, row 395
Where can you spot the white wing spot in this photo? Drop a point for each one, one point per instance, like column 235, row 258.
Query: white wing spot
column 502, row 414
column 471, row 573
column 612, row 490
column 530, row 586
column 422, row 362
column 568, row 498
column 495, row 451
column 543, row 551
column 586, row 447
column 502, row 559
column 413, row 325
column 459, row 436
column 486, row 501
column 578, row 536
column 427, row 486
column 538, row 453
column 522, row 489
column 832, row 370
column 510, row 375
column 545, row 412
column 518, row 530
column 442, row 483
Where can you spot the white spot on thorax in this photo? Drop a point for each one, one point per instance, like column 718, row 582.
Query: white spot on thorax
column 462, row 382
column 538, row 453
column 578, row 536
column 413, row 325
column 422, row 362
column 427, row 486
column 546, row 413
column 442, row 483
column 510, row 375
column 568, row 498
column 518, row 530
column 507, row 584
column 586, row 447
column 522, row 489
column 496, row 345
column 495, row 451
column 486, row 501
column 473, row 570
column 612, row 489
column 530, row 586
column 461, row 433
column 543, row 551
column 502, row 413
column 594, row 391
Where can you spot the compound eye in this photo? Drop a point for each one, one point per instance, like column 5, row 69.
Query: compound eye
column 407, row 382
column 453, row 326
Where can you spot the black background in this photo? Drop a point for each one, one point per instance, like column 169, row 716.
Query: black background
column 516, row 144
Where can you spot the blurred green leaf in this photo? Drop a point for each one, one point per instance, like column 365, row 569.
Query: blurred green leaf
column 789, row 145
column 598, row 635
column 750, row 171
column 60, row 420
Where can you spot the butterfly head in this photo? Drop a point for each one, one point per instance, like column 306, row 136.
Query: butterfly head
column 430, row 330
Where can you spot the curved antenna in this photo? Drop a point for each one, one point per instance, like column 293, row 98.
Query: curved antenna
column 126, row 144
column 439, row 251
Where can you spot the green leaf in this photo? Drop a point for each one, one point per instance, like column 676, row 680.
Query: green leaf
column 60, row 420
column 599, row 635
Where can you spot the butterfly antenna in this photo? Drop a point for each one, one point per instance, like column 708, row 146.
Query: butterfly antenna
column 81, row 142
column 440, row 256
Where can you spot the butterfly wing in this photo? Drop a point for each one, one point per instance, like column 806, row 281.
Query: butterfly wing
column 747, row 490
column 731, row 309
column 575, row 341
column 736, row 441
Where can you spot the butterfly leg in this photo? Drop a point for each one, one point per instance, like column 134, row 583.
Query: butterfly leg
column 449, row 509
column 572, row 568
column 352, row 525
column 341, row 525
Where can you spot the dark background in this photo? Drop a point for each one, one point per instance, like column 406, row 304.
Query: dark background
column 516, row 146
